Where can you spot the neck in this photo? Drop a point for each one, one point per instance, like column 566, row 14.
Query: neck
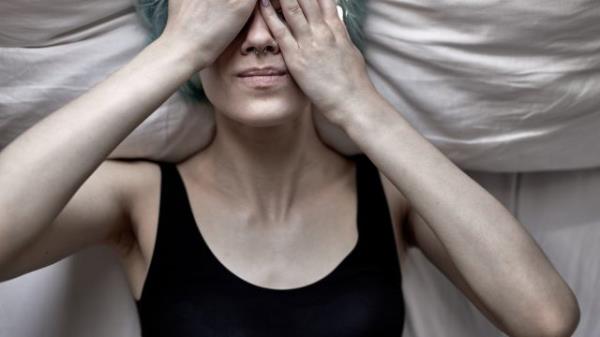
column 269, row 170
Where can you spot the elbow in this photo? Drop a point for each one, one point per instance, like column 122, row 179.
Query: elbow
column 560, row 321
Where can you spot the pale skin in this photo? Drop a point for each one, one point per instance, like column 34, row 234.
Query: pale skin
column 266, row 188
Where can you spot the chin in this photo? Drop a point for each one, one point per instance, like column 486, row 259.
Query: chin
column 263, row 114
column 260, row 119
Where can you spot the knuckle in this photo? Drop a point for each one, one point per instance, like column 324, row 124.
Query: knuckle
column 279, row 31
column 323, row 31
column 295, row 9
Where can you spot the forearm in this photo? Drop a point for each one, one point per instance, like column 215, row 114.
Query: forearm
column 496, row 256
column 42, row 169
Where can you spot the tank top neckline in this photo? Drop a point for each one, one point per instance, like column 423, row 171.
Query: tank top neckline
column 320, row 282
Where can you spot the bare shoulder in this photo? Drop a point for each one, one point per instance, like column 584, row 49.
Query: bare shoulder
column 139, row 185
column 101, row 212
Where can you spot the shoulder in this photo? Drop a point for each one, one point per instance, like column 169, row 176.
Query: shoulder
column 138, row 184
column 399, row 207
column 398, row 204
column 131, row 177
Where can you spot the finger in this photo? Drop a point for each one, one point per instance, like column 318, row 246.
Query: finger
column 295, row 17
column 329, row 9
column 280, row 30
column 334, row 16
column 311, row 10
column 343, row 26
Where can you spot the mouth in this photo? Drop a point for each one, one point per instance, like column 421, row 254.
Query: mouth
column 264, row 81
column 263, row 71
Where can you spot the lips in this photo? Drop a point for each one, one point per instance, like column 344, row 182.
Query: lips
column 264, row 81
column 269, row 71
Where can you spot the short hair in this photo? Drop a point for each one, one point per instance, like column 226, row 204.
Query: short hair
column 154, row 13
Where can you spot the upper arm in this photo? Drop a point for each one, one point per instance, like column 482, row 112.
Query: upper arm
column 98, row 213
column 416, row 232
column 551, row 311
column 419, row 234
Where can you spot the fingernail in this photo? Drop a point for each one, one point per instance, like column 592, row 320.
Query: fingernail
column 265, row 3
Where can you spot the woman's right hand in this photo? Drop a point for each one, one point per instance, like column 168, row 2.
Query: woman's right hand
column 204, row 28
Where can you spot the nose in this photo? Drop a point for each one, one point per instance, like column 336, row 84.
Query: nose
column 258, row 36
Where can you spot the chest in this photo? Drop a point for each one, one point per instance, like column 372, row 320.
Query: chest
column 336, row 259
column 280, row 253
column 305, row 248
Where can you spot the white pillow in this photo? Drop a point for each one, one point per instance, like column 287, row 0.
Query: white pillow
column 507, row 85
column 496, row 85
column 53, row 51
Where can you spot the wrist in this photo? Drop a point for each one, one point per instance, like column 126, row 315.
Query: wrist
column 360, row 112
column 182, row 53
column 372, row 117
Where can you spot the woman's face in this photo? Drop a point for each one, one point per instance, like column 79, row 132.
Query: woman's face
column 245, row 99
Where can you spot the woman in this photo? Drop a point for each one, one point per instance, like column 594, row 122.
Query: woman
column 267, row 231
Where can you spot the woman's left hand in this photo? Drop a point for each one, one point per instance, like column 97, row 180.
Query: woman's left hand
column 320, row 55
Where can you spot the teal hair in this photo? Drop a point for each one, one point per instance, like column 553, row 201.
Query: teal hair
column 354, row 16
column 153, row 14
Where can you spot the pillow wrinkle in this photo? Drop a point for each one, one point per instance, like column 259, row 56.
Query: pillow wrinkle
column 488, row 82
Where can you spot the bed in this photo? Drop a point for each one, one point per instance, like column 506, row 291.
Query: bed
column 509, row 90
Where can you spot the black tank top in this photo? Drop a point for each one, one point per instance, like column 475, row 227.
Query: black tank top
column 189, row 293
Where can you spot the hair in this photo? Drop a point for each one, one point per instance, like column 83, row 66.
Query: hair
column 154, row 13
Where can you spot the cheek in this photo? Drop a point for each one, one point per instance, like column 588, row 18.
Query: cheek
column 212, row 84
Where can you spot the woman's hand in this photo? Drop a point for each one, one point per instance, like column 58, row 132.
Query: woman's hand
column 204, row 28
column 319, row 54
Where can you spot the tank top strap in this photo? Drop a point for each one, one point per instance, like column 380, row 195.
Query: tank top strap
column 177, row 232
column 375, row 229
